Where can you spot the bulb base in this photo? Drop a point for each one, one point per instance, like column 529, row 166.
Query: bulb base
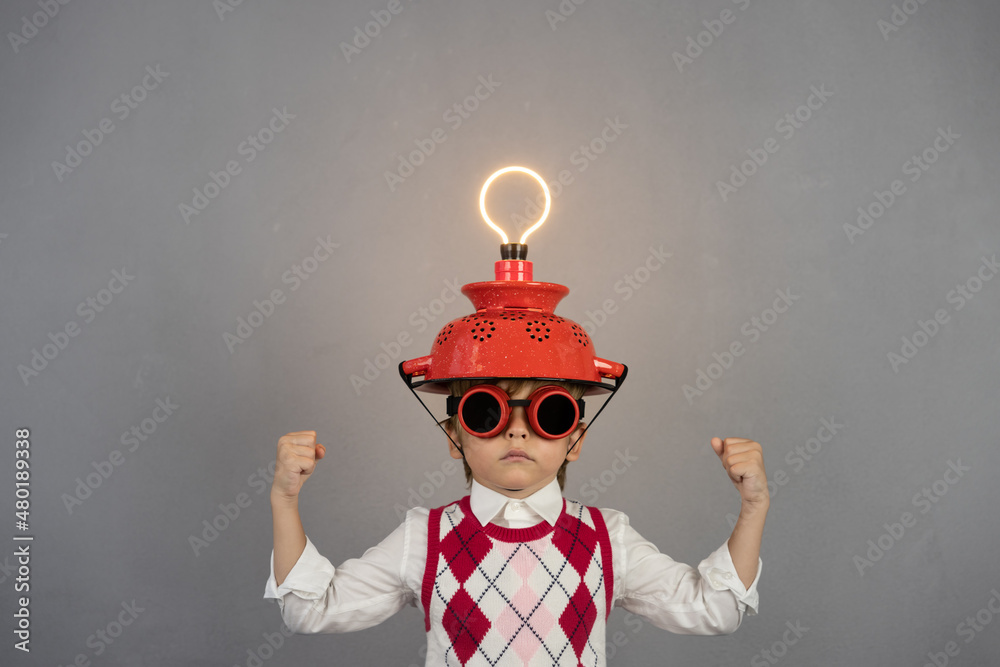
column 513, row 264
column 514, row 251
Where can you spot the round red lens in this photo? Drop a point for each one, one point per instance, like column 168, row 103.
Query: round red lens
column 483, row 410
column 553, row 412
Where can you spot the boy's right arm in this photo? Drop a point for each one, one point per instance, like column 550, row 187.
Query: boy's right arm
column 296, row 459
column 361, row 592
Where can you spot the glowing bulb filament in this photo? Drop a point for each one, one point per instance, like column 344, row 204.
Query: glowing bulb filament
column 545, row 213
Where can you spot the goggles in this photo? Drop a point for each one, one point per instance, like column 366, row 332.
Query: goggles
column 485, row 409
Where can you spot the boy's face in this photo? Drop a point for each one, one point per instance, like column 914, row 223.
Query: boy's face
column 494, row 462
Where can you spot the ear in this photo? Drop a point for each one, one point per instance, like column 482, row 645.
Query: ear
column 574, row 454
column 452, row 449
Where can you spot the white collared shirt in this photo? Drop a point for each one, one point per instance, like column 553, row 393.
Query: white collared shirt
column 543, row 505
column 362, row 592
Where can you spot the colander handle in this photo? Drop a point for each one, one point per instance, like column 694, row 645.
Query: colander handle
column 418, row 366
column 608, row 369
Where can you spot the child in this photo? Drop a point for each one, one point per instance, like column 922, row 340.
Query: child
column 513, row 573
column 519, row 575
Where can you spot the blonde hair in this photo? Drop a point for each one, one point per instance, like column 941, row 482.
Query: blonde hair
column 514, row 385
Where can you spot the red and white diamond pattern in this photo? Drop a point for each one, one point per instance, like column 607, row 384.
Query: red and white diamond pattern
column 538, row 602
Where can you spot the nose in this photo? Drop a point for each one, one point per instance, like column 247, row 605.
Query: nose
column 517, row 425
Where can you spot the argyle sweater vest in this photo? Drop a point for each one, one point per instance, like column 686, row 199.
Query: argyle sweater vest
column 517, row 596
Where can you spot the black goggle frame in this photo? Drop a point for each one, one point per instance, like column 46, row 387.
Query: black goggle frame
column 408, row 379
column 485, row 409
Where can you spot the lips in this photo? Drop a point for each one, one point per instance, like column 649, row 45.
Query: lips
column 516, row 455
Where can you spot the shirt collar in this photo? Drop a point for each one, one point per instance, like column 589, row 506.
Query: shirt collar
column 486, row 503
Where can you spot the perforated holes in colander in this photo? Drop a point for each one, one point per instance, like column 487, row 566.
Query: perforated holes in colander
column 535, row 329
column 444, row 333
column 482, row 328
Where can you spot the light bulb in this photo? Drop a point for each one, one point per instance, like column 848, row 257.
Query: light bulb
column 545, row 213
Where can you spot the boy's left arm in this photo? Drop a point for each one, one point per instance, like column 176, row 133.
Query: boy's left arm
column 744, row 463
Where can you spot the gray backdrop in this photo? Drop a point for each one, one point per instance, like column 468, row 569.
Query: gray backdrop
column 781, row 216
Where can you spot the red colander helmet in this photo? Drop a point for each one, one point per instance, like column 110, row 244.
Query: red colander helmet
column 514, row 333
